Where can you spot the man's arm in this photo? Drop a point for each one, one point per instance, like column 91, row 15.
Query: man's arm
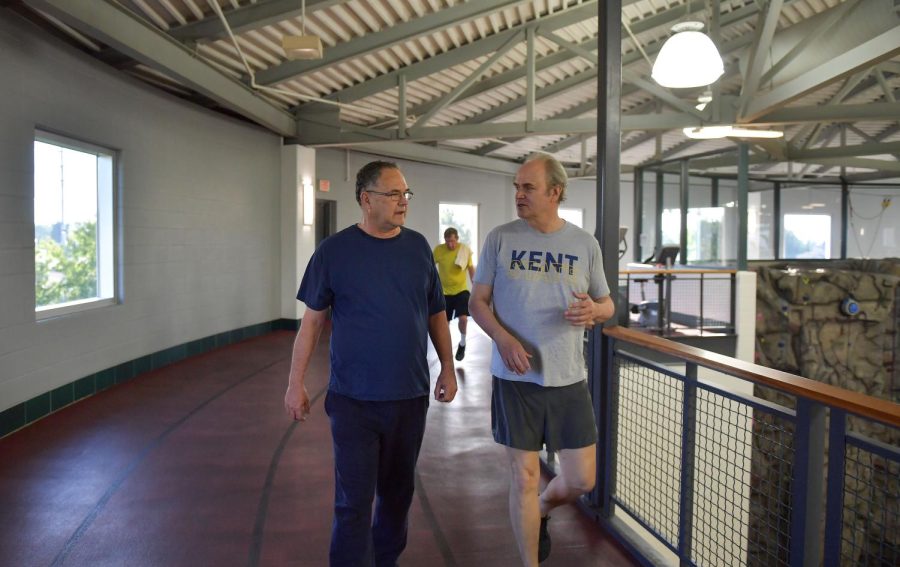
column 296, row 399
column 514, row 355
column 439, row 330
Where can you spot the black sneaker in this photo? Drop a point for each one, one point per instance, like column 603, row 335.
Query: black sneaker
column 460, row 352
column 544, row 541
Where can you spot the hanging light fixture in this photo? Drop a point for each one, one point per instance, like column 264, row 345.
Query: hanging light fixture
column 302, row 46
column 687, row 59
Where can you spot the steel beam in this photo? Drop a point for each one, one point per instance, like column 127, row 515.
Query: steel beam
column 765, row 30
column 332, row 134
column 441, row 156
column 384, row 39
column 879, row 48
column 121, row 29
column 247, row 18
column 863, row 163
column 834, row 16
column 831, row 113
column 467, row 82
column 470, row 51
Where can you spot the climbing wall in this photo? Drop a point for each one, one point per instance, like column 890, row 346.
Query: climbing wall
column 834, row 322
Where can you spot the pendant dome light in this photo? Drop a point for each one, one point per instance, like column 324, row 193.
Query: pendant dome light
column 687, row 59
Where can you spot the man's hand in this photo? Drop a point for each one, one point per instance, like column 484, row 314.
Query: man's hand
column 581, row 311
column 296, row 402
column 514, row 355
column 445, row 388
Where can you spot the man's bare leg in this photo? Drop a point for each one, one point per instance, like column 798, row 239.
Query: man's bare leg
column 578, row 474
column 524, row 510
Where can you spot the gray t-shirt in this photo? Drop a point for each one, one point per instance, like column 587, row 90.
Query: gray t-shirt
column 533, row 275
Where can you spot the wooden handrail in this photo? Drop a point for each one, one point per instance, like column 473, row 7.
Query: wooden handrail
column 652, row 271
column 854, row 402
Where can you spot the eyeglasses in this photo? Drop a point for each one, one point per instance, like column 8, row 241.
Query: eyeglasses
column 394, row 195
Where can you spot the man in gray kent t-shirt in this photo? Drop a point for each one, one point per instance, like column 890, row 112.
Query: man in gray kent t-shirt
column 544, row 278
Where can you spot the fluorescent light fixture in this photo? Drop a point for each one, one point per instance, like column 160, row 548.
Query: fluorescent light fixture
column 309, row 204
column 716, row 132
column 302, row 46
column 687, row 59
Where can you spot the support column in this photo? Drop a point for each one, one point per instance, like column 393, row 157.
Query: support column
column 638, row 213
column 743, row 191
column 298, row 240
column 845, row 217
column 684, row 187
column 660, row 180
column 601, row 378
column 776, row 222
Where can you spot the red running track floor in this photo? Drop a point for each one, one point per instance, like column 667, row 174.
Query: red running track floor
column 196, row 464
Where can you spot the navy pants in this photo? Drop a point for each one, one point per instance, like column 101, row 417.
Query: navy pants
column 376, row 445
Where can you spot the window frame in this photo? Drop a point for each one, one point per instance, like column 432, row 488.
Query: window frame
column 108, row 226
column 579, row 210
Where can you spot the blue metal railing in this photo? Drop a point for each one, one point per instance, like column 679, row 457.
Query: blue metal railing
column 718, row 474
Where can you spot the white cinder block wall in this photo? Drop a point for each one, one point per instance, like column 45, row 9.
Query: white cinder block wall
column 204, row 205
column 200, row 198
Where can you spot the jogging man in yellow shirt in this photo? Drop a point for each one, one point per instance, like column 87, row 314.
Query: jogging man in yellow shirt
column 453, row 260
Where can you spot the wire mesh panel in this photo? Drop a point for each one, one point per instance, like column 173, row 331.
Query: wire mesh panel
column 673, row 302
column 741, row 484
column 722, row 480
column 871, row 517
column 701, row 301
column 769, row 541
column 648, row 442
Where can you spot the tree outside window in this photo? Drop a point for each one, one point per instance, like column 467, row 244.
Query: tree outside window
column 73, row 232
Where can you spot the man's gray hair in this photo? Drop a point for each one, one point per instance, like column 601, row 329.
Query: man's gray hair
column 555, row 172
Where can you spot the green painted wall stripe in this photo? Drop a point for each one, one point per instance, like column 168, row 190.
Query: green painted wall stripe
column 40, row 406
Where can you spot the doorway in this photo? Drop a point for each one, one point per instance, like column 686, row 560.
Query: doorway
column 326, row 219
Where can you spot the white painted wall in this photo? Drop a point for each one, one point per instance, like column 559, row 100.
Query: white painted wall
column 212, row 232
column 200, row 197
column 434, row 183
column 430, row 183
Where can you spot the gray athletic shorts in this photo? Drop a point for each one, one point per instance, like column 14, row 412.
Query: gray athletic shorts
column 526, row 416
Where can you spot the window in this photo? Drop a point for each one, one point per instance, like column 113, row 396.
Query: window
column 464, row 218
column 73, row 225
column 574, row 216
column 705, row 233
column 807, row 236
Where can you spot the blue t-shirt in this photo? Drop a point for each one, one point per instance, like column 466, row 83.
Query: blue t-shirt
column 382, row 292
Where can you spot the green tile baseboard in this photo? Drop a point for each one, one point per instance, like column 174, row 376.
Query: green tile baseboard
column 40, row 406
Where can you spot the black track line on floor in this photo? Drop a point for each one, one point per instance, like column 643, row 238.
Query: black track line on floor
column 262, row 510
column 440, row 538
column 150, row 447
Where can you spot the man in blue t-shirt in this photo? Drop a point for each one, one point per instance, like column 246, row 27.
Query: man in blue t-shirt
column 381, row 284
column 539, row 283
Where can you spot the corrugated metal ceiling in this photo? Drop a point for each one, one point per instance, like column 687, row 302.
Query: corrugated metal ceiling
column 369, row 43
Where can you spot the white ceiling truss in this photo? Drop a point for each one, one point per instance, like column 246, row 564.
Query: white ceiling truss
column 484, row 83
